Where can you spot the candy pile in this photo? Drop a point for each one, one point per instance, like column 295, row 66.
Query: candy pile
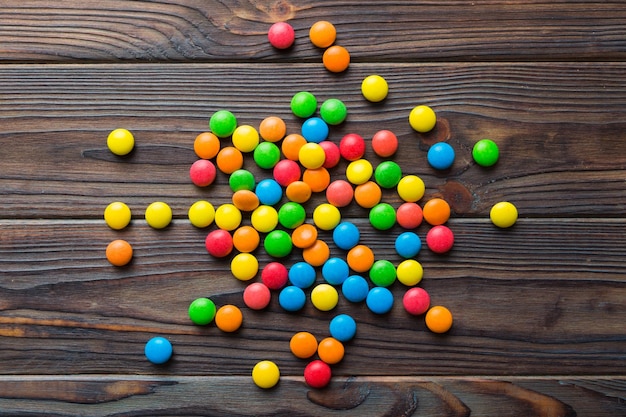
column 300, row 165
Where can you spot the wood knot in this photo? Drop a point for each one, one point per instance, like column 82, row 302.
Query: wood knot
column 458, row 196
column 440, row 133
column 282, row 11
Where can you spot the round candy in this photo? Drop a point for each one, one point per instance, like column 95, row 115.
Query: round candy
column 274, row 275
column 318, row 179
column 440, row 155
column 245, row 138
column 384, row 143
column 409, row 215
column 374, row 88
column 202, row 173
column 411, row 188
column 272, row 129
column 408, row 244
column 314, row 129
column 228, row 318
column 264, row 218
column 322, row 34
column 312, row 155
column 119, row 252
column 219, row 243
column 352, row 146
column 244, row 266
column 333, row 155
column 229, row 159
column 382, row 216
column 303, row 104
column 202, row 311
column 302, row 275
column 298, row 192
column 291, row 146
column 117, row 215
column 335, row 271
column 355, row 288
column 158, row 215
column 245, row 200
column 265, row 374
column 368, row 194
column 158, row 350
column 388, row 174
column 360, row 258
column 281, row 35
column 304, row 236
column 440, row 239
column 436, row 211
column 438, row 319
column 291, row 215
column 286, row 171
column 346, row 235
column 303, row 345
column 324, row 297
column 336, row 58
column 269, row 191
column 379, row 300
column 277, row 243
column 333, row 111
column 266, row 155
column 409, row 272
column 292, row 298
column 503, row 214
column 326, row 216
column 223, row 123
column 257, row 296
column 485, row 152
column 330, row 350
column 342, row 327
column 422, row 119
column 416, row 301
column 227, row 217
column 317, row 374
column 120, row 142
column 201, row 214
column 339, row 193
column 382, row 273
column 206, row 145
column 241, row 179
column 317, row 253
column 359, row 172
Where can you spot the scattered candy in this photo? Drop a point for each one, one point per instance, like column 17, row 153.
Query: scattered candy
column 286, row 171
column 291, row 215
column 277, row 243
column 379, row 300
column 266, row 155
column 292, row 298
column 324, row 297
column 269, row 191
column 304, row 236
column 291, row 146
column 202, row 311
column 314, row 129
column 241, row 180
column 317, row 253
column 436, row 211
column 368, row 194
column 219, row 243
column 257, row 296
column 299, row 191
column 302, row 275
column 339, row 193
column 265, row 374
column 333, row 111
column 440, row 239
column 312, row 155
column 158, row 350
column 360, row 258
column 281, row 35
column 117, row 215
column 228, row 318
column 384, row 143
column 374, row 88
column 342, row 327
column 274, row 275
column 322, row 34
column 485, row 152
column 119, row 252
column 359, row 172
column 158, row 215
column 408, row 244
column 333, row 155
column 206, row 145
column 409, row 215
column 441, row 155
column 422, row 119
column 382, row 216
column 244, row 266
column 335, row 271
column 202, row 173
column 326, row 216
column 346, row 235
column 120, row 142
column 245, row 200
column 409, row 272
column 229, row 159
column 223, row 123
column 318, row 179
column 336, row 58
column 503, row 214
column 388, row 174
column 303, row 104
column 245, row 138
column 201, row 214
column 416, row 301
column 355, row 288
column 382, row 273
column 303, row 345
column 330, row 350
column 352, row 147
column 273, row 129
column 228, row 217
column 411, row 188
column 317, row 374
column 438, row 319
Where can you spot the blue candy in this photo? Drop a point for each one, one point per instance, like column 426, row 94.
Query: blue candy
column 441, row 155
column 355, row 288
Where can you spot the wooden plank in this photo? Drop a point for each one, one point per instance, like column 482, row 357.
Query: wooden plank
column 542, row 298
column 560, row 128
column 209, row 395
column 118, row 30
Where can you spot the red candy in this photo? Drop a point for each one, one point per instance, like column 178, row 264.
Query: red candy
column 281, row 35
column 286, row 171
column 219, row 243
column 257, row 296
column 202, row 172
column 409, row 215
column 384, row 143
column 317, row 374
column 275, row 275
column 332, row 153
column 440, row 239
column 352, row 147
column 416, row 301
column 339, row 193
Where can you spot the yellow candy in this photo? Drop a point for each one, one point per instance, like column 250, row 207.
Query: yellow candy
column 324, row 297
column 503, row 214
column 227, row 217
column 244, row 266
column 120, row 142
column 326, row 216
column 158, row 215
column 201, row 214
column 411, row 188
column 265, row 374
column 409, row 272
column 117, row 215
column 264, row 218
column 422, row 119
column 359, row 171
column 374, row 88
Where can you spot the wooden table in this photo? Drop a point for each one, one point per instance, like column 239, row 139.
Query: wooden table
column 539, row 309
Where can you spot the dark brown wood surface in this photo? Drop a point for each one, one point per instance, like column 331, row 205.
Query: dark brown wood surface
column 539, row 308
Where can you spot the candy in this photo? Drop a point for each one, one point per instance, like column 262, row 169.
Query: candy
column 438, row 319
column 158, row 215
column 264, row 218
column 272, row 129
column 201, row 311
column 120, row 142
column 422, row 119
column 355, row 288
column 409, row 272
column 245, row 138
column 202, row 173
column 265, row 374
column 269, row 191
column 274, row 275
column 219, row 243
column 266, row 155
column 408, row 244
column 228, row 318
column 333, row 111
column 119, row 252
column 330, row 350
column 326, row 216
column 229, row 159
column 317, row 374
column 241, row 179
column 374, row 88
column 223, row 123
column 158, row 350
column 359, row 172
column 384, row 143
column 339, row 193
column 281, row 35
column 206, row 145
column 201, row 214
column 440, row 239
column 485, row 152
column 291, row 215
column 322, row 34
column 303, row 345
column 411, row 188
column 291, row 146
column 257, row 296
column 335, row 271
column 303, row 104
column 333, row 155
column 117, row 215
column 246, row 239
column 503, row 214
column 440, row 156
column 336, row 58
column 352, row 146
column 416, row 301
column 227, row 217
column 368, row 194
column 360, row 258
column 346, row 235
column 388, row 174
column 286, row 171
column 324, row 297
column 304, row 236
column 342, row 327
column 317, row 253
column 245, row 200
column 298, row 191
column 314, row 129
column 291, row 298
column 436, row 211
column 302, row 275
column 382, row 216
column 379, row 300
column 277, row 243
column 382, row 273
column 409, row 215
column 318, row 179
column 312, row 155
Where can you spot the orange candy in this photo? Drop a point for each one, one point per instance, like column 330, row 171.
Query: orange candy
column 336, row 58
column 330, row 350
column 298, row 191
column 367, row 195
column 317, row 253
column 436, row 211
column 303, row 345
column 318, row 179
column 438, row 319
column 322, row 34
column 245, row 200
column 304, row 236
column 291, row 146
column 228, row 318
column 272, row 129
column 246, row 239
column 119, row 252
column 229, row 160
column 360, row 258
column 206, row 145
